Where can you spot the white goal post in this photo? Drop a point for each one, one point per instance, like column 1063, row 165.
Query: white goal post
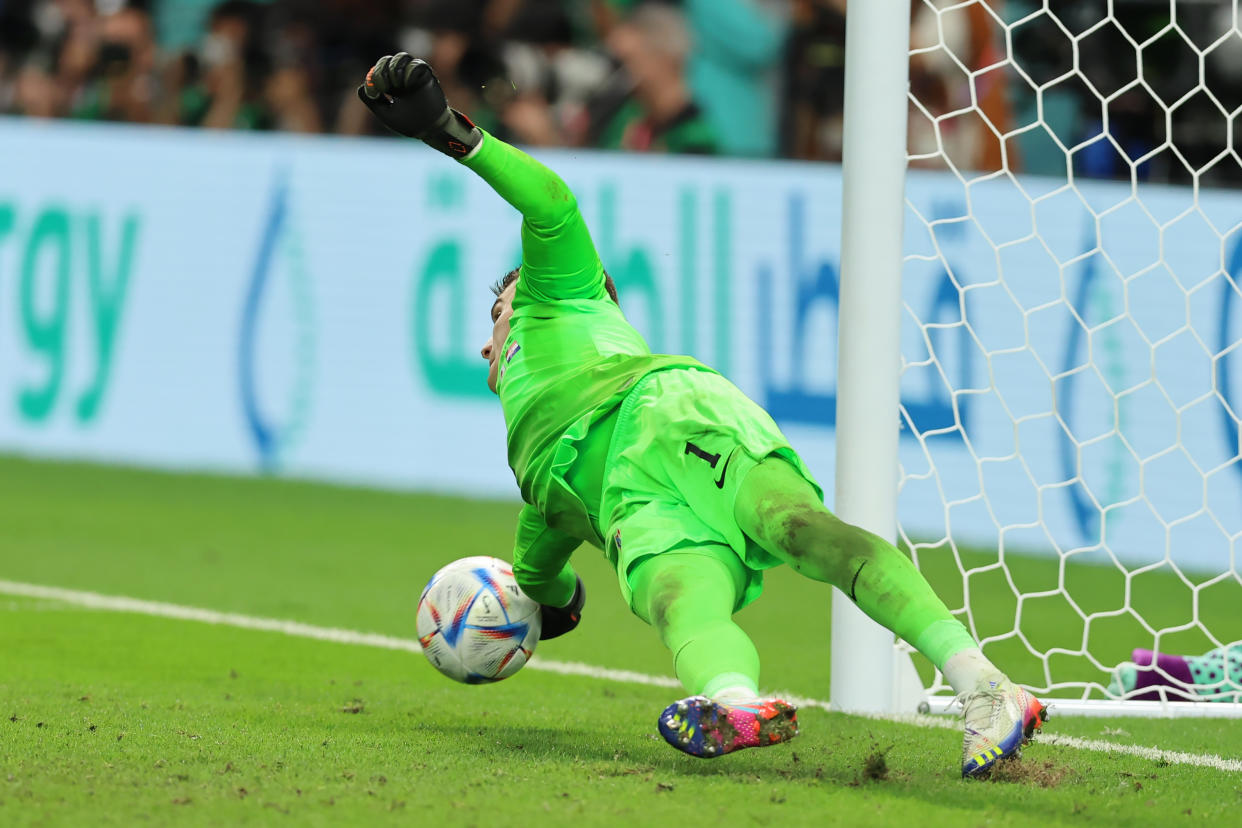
column 1059, row 356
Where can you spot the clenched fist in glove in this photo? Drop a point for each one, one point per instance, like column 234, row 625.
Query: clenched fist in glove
column 405, row 95
column 559, row 620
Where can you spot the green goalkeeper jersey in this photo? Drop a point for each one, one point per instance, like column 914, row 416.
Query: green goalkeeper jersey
column 568, row 361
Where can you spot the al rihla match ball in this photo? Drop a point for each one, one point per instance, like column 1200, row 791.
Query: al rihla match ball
column 474, row 624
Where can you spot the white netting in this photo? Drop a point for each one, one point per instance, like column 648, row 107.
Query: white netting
column 1072, row 380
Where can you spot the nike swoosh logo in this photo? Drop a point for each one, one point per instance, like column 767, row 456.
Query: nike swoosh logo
column 720, row 482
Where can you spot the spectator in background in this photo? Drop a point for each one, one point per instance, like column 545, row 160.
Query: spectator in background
column 277, row 65
column 221, row 86
column 334, row 41
column 289, row 89
column 116, row 68
column 19, row 50
column 735, row 70
column 593, row 73
column 648, row 106
column 179, row 24
column 815, row 81
column 551, row 79
column 951, row 47
column 29, row 60
column 83, row 65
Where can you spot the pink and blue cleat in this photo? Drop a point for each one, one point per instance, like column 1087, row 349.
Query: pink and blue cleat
column 1000, row 718
column 705, row 728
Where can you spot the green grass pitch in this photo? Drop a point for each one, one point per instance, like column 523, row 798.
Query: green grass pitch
column 119, row 719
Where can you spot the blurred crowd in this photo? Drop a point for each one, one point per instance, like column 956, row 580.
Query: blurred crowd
column 751, row 78
column 701, row 76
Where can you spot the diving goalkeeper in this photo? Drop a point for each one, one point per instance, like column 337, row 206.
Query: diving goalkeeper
column 687, row 486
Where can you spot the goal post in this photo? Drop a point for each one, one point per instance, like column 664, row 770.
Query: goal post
column 1045, row 295
column 865, row 663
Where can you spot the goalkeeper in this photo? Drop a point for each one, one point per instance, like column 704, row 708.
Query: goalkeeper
column 686, row 485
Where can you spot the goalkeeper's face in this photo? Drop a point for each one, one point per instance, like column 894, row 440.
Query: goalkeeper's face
column 493, row 349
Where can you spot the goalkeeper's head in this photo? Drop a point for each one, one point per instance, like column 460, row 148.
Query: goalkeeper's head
column 502, row 309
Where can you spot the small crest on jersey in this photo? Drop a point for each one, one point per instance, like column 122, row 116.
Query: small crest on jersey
column 616, row 540
column 513, row 349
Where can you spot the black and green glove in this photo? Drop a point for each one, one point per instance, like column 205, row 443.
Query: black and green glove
column 405, row 95
column 560, row 620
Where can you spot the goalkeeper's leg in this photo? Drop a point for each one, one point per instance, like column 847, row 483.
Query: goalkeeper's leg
column 689, row 595
column 781, row 512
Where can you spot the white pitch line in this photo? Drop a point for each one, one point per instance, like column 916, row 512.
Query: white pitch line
column 160, row 609
column 119, row 603
column 1173, row 757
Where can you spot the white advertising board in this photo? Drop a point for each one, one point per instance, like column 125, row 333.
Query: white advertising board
column 313, row 307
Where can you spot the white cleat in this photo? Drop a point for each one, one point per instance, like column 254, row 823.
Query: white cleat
column 1000, row 718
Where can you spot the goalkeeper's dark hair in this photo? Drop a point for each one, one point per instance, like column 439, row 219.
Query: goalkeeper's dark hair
column 512, row 275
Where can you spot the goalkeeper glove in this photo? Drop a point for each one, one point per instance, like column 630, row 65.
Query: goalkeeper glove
column 405, row 94
column 560, row 620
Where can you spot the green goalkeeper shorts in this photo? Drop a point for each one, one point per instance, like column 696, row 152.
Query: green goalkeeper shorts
column 683, row 442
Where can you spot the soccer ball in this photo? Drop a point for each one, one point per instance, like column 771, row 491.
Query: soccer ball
column 474, row 624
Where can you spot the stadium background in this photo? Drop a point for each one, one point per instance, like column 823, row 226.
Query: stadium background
column 211, row 260
column 230, row 301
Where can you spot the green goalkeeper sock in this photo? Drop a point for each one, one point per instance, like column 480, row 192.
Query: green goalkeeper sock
column 688, row 595
column 716, row 656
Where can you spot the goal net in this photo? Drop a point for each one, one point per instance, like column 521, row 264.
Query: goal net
column 1071, row 370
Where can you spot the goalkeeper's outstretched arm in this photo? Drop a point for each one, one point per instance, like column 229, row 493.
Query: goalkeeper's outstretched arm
column 541, row 567
column 559, row 260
